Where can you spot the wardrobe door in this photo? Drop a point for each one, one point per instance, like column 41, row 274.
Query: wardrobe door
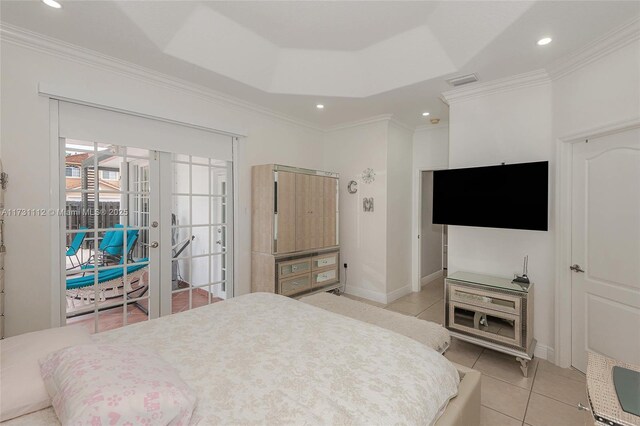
column 286, row 213
column 309, row 212
column 330, row 212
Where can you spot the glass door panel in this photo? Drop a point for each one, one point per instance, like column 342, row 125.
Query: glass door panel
column 199, row 211
column 107, row 207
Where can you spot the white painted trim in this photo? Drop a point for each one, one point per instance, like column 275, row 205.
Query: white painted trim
column 58, row 262
column 563, row 219
column 609, row 42
column 232, row 280
column 375, row 296
column 434, row 276
column 399, row 124
column 89, row 98
column 416, row 222
column 427, row 127
column 162, row 208
column 397, row 294
column 57, row 48
column 544, row 352
column 477, row 90
column 370, row 120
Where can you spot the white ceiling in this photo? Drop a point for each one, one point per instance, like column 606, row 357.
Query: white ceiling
column 359, row 59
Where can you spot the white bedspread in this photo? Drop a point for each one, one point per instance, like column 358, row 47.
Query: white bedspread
column 268, row 359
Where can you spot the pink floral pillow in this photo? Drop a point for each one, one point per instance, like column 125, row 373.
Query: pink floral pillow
column 115, row 385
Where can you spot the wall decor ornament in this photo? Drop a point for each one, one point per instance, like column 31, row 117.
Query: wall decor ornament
column 367, row 204
column 352, row 187
column 368, row 175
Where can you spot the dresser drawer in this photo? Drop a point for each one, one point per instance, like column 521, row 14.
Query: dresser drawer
column 485, row 299
column 294, row 267
column 325, row 261
column 485, row 323
column 291, row 286
column 324, row 277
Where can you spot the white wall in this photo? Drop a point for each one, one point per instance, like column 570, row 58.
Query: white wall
column 511, row 126
column 431, row 147
column 600, row 95
column 26, row 157
column 430, row 152
column 605, row 91
column 430, row 234
column 363, row 236
column 399, row 161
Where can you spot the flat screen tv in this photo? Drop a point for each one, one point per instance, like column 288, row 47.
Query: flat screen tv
column 511, row 196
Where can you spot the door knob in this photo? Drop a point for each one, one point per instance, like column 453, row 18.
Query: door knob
column 576, row 268
column 154, row 224
column 154, row 244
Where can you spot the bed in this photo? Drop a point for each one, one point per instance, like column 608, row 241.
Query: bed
column 267, row 359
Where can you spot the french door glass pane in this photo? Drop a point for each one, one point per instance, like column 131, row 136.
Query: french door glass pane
column 199, row 217
column 107, row 207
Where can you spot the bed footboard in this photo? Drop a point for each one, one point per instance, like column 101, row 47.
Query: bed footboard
column 464, row 409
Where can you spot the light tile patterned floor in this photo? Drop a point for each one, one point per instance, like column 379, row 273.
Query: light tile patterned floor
column 548, row 397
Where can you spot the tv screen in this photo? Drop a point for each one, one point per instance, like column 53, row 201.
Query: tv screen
column 511, row 196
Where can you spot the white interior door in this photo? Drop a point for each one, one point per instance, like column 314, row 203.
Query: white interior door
column 606, row 247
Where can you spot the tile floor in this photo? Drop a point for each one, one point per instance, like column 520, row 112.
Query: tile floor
column 548, row 397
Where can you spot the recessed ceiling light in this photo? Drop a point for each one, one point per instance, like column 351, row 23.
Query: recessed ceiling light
column 320, row 106
column 52, row 3
column 424, row 114
column 544, row 41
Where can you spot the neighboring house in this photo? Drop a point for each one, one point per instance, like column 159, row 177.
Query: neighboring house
column 109, row 179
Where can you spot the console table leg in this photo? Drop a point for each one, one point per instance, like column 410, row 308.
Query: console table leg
column 524, row 366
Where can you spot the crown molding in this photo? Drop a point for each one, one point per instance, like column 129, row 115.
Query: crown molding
column 477, row 90
column 427, row 127
column 402, row 125
column 370, row 120
column 60, row 49
column 609, row 42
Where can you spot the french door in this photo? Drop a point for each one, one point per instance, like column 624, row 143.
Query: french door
column 145, row 232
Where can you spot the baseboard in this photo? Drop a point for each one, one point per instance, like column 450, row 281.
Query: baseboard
column 397, row 294
column 375, row 296
column 545, row 352
column 431, row 277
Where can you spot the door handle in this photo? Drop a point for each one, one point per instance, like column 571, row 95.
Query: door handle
column 154, row 244
column 576, row 268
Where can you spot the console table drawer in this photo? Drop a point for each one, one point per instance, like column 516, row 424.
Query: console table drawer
column 324, row 277
column 324, row 261
column 294, row 267
column 485, row 299
column 485, row 323
column 291, row 286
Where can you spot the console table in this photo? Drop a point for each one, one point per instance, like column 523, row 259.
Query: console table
column 492, row 312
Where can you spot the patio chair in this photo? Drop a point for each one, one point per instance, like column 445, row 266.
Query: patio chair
column 85, row 289
column 74, row 248
column 113, row 251
column 132, row 238
column 110, row 248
